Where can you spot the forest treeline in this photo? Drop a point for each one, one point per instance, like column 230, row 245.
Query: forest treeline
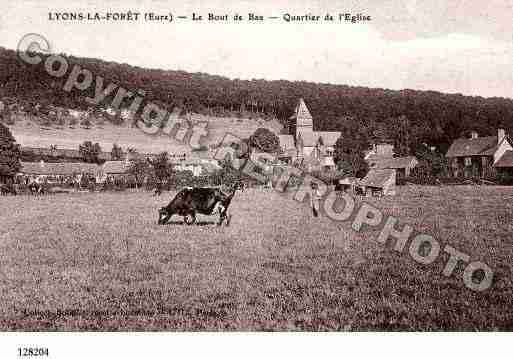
column 407, row 117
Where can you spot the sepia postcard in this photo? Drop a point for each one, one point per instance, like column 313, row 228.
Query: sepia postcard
column 255, row 166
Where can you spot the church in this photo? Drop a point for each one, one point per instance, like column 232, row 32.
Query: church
column 304, row 146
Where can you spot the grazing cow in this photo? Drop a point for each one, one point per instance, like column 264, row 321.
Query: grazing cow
column 158, row 189
column 6, row 189
column 190, row 201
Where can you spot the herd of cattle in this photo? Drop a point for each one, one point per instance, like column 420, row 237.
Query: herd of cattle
column 33, row 188
column 10, row 189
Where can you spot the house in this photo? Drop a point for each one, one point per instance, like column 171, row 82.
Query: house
column 303, row 142
column 478, row 156
column 379, row 180
column 382, row 157
column 288, row 148
column 197, row 166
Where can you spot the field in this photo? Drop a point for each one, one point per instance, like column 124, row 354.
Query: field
column 100, row 262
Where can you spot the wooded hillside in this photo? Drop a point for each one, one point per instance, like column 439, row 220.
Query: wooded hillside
column 406, row 117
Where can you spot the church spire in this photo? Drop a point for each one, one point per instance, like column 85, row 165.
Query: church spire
column 303, row 118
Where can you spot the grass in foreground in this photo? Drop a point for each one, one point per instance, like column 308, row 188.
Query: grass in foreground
column 100, row 262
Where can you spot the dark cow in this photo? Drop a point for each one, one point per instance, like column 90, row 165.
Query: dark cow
column 36, row 188
column 158, row 189
column 190, row 201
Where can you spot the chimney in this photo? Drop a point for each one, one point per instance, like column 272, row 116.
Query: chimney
column 474, row 134
column 500, row 135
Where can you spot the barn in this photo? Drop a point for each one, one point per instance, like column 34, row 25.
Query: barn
column 382, row 157
column 402, row 165
column 116, row 168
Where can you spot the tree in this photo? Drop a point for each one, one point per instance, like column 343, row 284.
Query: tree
column 73, row 122
column 265, row 141
column 431, row 162
column 90, row 152
column 139, row 168
column 117, row 153
column 86, row 122
column 228, row 173
column 161, row 167
column 349, row 154
column 10, row 153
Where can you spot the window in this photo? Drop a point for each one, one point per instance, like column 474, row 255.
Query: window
column 468, row 161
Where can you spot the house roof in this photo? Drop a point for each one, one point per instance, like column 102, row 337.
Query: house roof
column 209, row 165
column 288, row 153
column 377, row 178
column 311, row 138
column 116, row 167
column 54, row 169
column 480, row 146
column 348, row 180
column 72, row 153
column 377, row 162
column 506, row 160
column 311, row 161
column 59, row 152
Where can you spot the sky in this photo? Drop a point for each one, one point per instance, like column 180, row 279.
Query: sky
column 453, row 46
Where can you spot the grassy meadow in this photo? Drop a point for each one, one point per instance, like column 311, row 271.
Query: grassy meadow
column 99, row 261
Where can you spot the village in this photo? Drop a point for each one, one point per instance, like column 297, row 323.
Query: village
column 302, row 147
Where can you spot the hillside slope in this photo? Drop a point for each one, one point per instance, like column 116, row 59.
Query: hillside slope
column 30, row 134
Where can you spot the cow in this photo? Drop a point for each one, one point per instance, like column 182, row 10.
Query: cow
column 158, row 189
column 190, row 201
column 36, row 188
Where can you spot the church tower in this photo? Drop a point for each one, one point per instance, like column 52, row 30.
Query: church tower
column 302, row 118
